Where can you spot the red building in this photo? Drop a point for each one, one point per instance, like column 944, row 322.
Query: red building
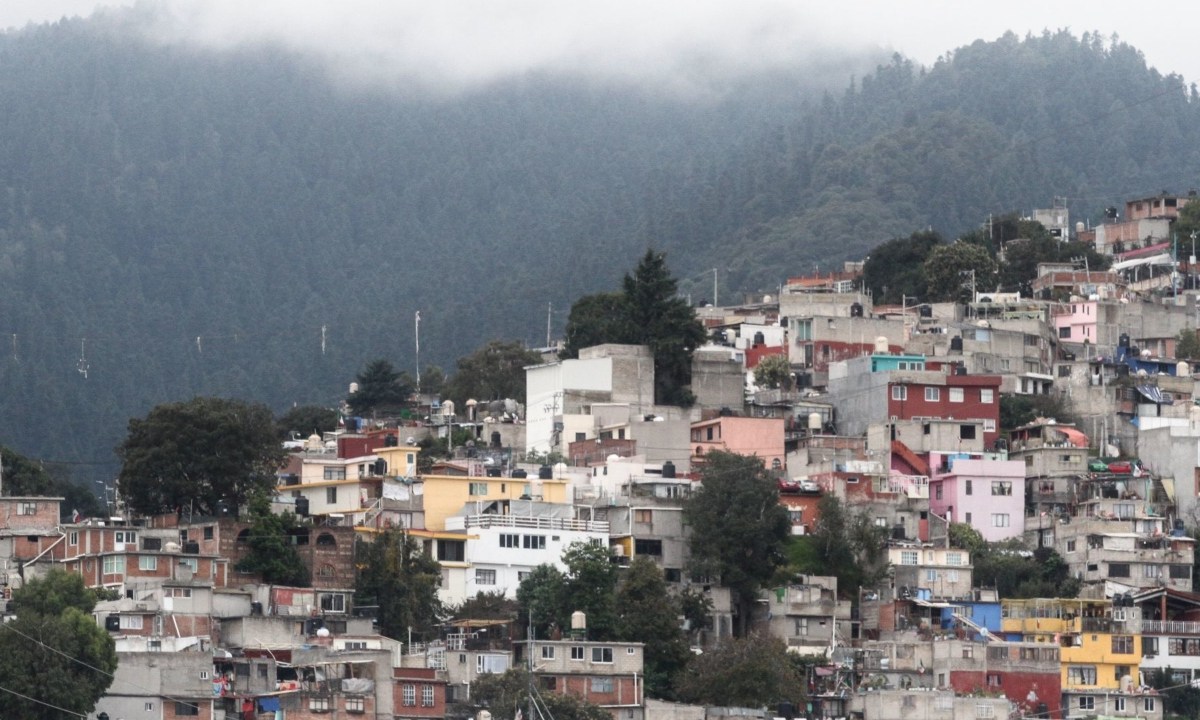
column 932, row 394
column 418, row 693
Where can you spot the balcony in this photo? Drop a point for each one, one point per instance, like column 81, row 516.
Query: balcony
column 462, row 522
column 1170, row 627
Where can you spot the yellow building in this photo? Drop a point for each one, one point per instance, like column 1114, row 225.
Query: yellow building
column 445, row 495
column 401, row 459
column 1096, row 648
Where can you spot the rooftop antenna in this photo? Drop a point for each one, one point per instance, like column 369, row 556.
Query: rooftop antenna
column 82, row 365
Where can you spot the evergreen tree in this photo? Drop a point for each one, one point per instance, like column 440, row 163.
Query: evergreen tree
column 649, row 614
column 381, row 388
column 398, row 577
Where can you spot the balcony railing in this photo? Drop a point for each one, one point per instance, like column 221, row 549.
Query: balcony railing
column 1170, row 627
column 462, row 522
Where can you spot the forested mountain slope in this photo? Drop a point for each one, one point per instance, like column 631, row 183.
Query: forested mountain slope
column 176, row 222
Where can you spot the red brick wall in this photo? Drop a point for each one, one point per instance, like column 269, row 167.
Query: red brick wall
column 1016, row 687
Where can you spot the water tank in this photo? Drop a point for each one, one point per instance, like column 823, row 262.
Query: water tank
column 112, row 623
column 1080, row 227
column 1146, row 354
column 353, row 388
column 856, row 310
column 322, row 632
column 520, row 474
column 898, row 532
column 302, row 506
column 759, row 338
column 578, row 621
column 545, row 472
column 171, row 547
column 560, row 469
column 668, row 469
column 191, row 547
column 493, row 472
column 448, row 408
column 1123, row 341
column 1182, row 369
column 960, row 369
column 535, row 488
column 814, row 422
column 881, row 345
column 925, row 311
column 391, row 441
column 956, row 344
column 256, row 608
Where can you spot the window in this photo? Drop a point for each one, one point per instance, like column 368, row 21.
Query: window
column 967, row 518
column 801, row 626
column 131, row 622
column 643, row 516
column 1087, row 702
column 899, row 392
column 331, row 495
column 410, row 695
column 968, row 487
column 1119, row 703
column 1002, row 487
column 533, row 542
column 993, row 680
column 149, row 707
column 1000, row 520
column 1081, row 674
column 989, row 425
column 451, row 550
column 647, row 547
column 318, row 704
column 1180, row 572
column 334, row 473
column 602, row 655
column 547, row 652
column 190, row 563
column 577, row 652
column 204, row 675
column 602, row 685
column 1149, row 646
column 356, row 705
column 208, row 532
column 147, row 562
column 986, row 396
column 186, row 709
column 477, row 488
column 1122, row 644
column 508, row 540
column 984, row 710
column 1070, row 546
column 1148, row 704
column 1064, row 332
column 956, row 395
column 73, row 539
column 485, row 577
column 333, row 602
column 1152, row 571
column 954, row 558
column 355, row 645
column 908, row 557
column 114, row 565
column 966, row 432
column 126, row 536
column 426, row 696
column 937, row 491
column 933, row 394
column 931, row 575
column 27, row 508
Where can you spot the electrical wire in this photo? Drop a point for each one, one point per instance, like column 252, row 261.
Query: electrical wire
column 39, row 702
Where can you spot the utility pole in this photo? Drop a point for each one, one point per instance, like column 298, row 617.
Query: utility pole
column 549, row 313
column 716, row 303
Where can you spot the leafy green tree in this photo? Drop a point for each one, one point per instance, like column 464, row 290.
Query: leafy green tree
column 543, row 594
column 1015, row 571
column 486, row 606
column 24, row 477
column 381, row 389
column 589, row 585
column 596, row 320
column 502, row 694
column 270, row 552
column 965, row 537
column 495, row 371
column 397, row 576
column 433, row 378
column 738, row 528
column 196, row 454
column 1180, row 701
column 750, row 671
column 306, row 420
column 895, row 269
column 650, row 615
column 774, row 371
column 846, row 543
column 54, row 651
column 1018, row 410
column 947, row 271
column 1187, row 344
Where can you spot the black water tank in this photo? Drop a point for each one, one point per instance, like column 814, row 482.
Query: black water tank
column 391, row 441
column 545, row 472
column 191, row 547
column 493, row 472
column 112, row 623
column 856, row 310
column 256, row 608
column 898, row 532
column 519, row 474
column 302, row 506
column 925, row 311
column 759, row 338
column 1123, row 341
column 668, row 469
column 956, row 343
column 495, row 438
column 381, row 467
column 960, row 369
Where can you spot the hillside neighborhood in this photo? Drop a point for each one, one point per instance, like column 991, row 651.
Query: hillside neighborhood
column 1057, row 425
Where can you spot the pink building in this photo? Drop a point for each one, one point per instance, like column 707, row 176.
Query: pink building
column 986, row 493
column 1076, row 321
column 762, row 437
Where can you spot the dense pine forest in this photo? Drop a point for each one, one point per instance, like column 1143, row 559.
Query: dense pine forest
column 176, row 222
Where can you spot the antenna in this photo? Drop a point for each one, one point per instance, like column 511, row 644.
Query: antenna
column 549, row 312
column 82, row 365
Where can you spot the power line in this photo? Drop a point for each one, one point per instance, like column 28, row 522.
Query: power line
column 39, row 702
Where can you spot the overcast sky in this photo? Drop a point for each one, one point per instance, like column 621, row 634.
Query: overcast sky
column 476, row 40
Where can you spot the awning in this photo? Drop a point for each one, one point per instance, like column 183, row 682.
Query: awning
column 1154, row 394
column 1075, row 437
